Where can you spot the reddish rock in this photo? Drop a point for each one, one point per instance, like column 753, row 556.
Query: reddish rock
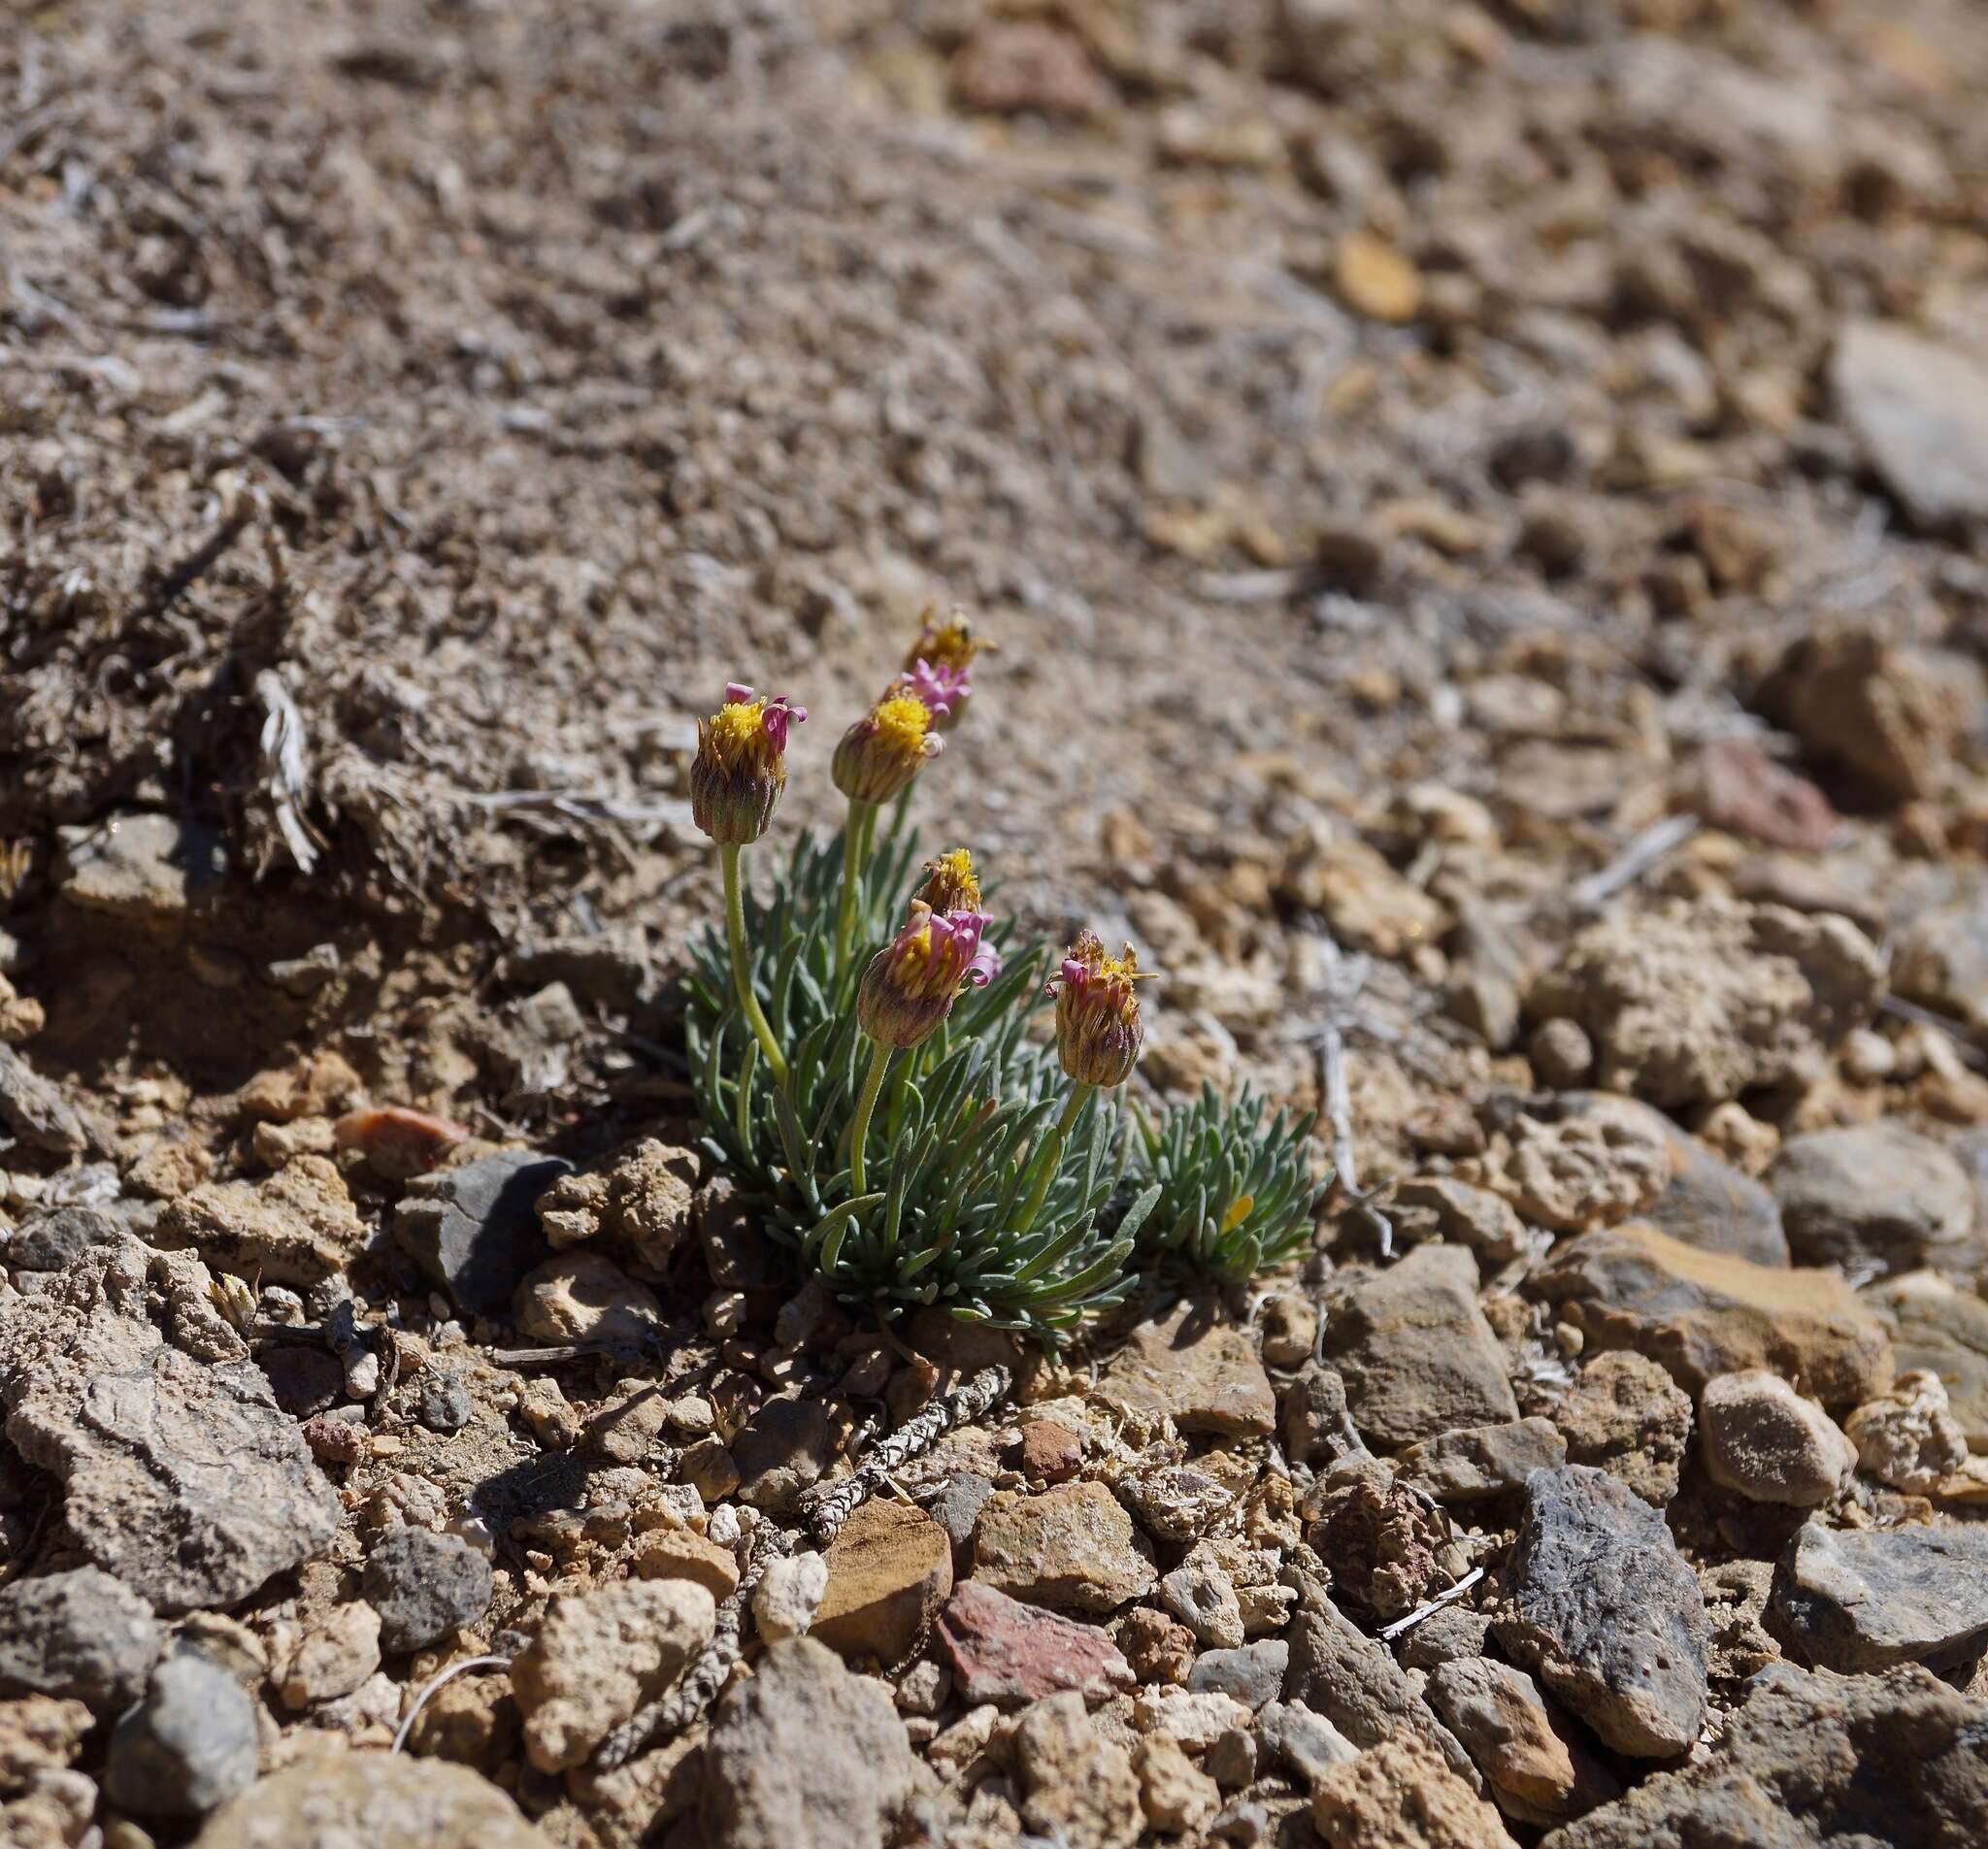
column 1733, row 784
column 1004, row 1651
column 398, row 1143
column 1051, row 1453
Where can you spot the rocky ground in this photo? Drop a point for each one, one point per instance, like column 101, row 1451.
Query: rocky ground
column 1481, row 506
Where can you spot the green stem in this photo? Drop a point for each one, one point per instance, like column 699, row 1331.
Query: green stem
column 859, row 1131
column 1050, row 1156
column 855, row 850
column 742, row 973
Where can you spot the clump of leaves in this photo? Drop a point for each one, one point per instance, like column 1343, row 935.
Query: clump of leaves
column 961, row 1123
column 1235, row 1197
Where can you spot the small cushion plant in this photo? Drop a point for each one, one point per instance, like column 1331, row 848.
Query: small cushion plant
column 870, row 1068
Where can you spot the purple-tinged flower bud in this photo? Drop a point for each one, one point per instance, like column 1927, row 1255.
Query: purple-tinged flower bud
column 912, row 982
column 1097, row 1034
column 741, row 767
column 884, row 749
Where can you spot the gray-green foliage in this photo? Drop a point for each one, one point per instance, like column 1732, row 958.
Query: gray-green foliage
column 959, row 1119
column 957, row 1128
column 1234, row 1198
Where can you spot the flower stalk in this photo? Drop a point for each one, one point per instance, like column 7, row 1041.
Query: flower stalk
column 742, row 968
column 866, row 1107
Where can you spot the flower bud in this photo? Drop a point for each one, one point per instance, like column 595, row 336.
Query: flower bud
column 1097, row 1034
column 884, row 749
column 912, row 982
column 741, row 767
column 951, row 882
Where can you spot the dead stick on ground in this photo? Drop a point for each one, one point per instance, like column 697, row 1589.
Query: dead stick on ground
column 827, row 1511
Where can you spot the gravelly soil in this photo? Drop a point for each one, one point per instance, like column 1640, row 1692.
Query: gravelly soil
column 1480, row 506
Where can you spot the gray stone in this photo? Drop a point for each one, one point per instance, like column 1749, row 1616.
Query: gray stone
column 1319, row 1427
column 182, row 1479
column 785, row 1447
column 1306, row 1742
column 474, row 1230
column 36, row 1111
column 1857, row 1599
column 1438, row 1208
column 142, row 866
column 1708, row 1202
column 1872, row 1199
column 52, row 1242
column 1935, row 1325
column 1446, row 1636
column 424, row 1586
column 305, row 1380
column 1477, row 1462
column 956, row 1508
column 78, row 1634
column 1253, row 1674
column 804, row 1751
column 445, row 1404
column 1817, row 1762
column 1607, row 1613
column 1413, row 1349
column 188, row 1747
column 1941, row 961
column 1920, row 412
column 1339, row 1671
column 349, row 1800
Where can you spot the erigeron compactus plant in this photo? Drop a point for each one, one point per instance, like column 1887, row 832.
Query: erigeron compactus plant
column 879, row 1069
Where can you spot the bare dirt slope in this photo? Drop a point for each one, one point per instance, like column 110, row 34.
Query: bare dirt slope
column 1480, row 505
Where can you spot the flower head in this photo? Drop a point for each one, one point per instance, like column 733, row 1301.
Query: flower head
column 884, row 749
column 951, row 882
column 939, row 670
column 1098, row 1033
column 912, row 982
column 741, row 767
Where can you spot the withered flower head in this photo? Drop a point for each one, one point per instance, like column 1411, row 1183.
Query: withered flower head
column 1098, row 1033
column 911, row 983
column 741, row 767
column 939, row 670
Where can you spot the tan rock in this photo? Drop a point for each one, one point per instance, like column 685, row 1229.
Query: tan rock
column 681, row 1553
column 889, row 1572
column 1539, row 1766
column 1764, row 1440
column 1374, row 278
column 1701, row 1314
column 1401, row 1794
column 1078, row 1788
column 1696, row 1003
column 1072, row 1548
column 599, row 1656
column 1200, row 1369
column 334, row 1658
column 1178, row 1797
column 1625, row 1415
column 1908, row 1437
column 298, row 1227
column 584, row 1295
column 333, row 1800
